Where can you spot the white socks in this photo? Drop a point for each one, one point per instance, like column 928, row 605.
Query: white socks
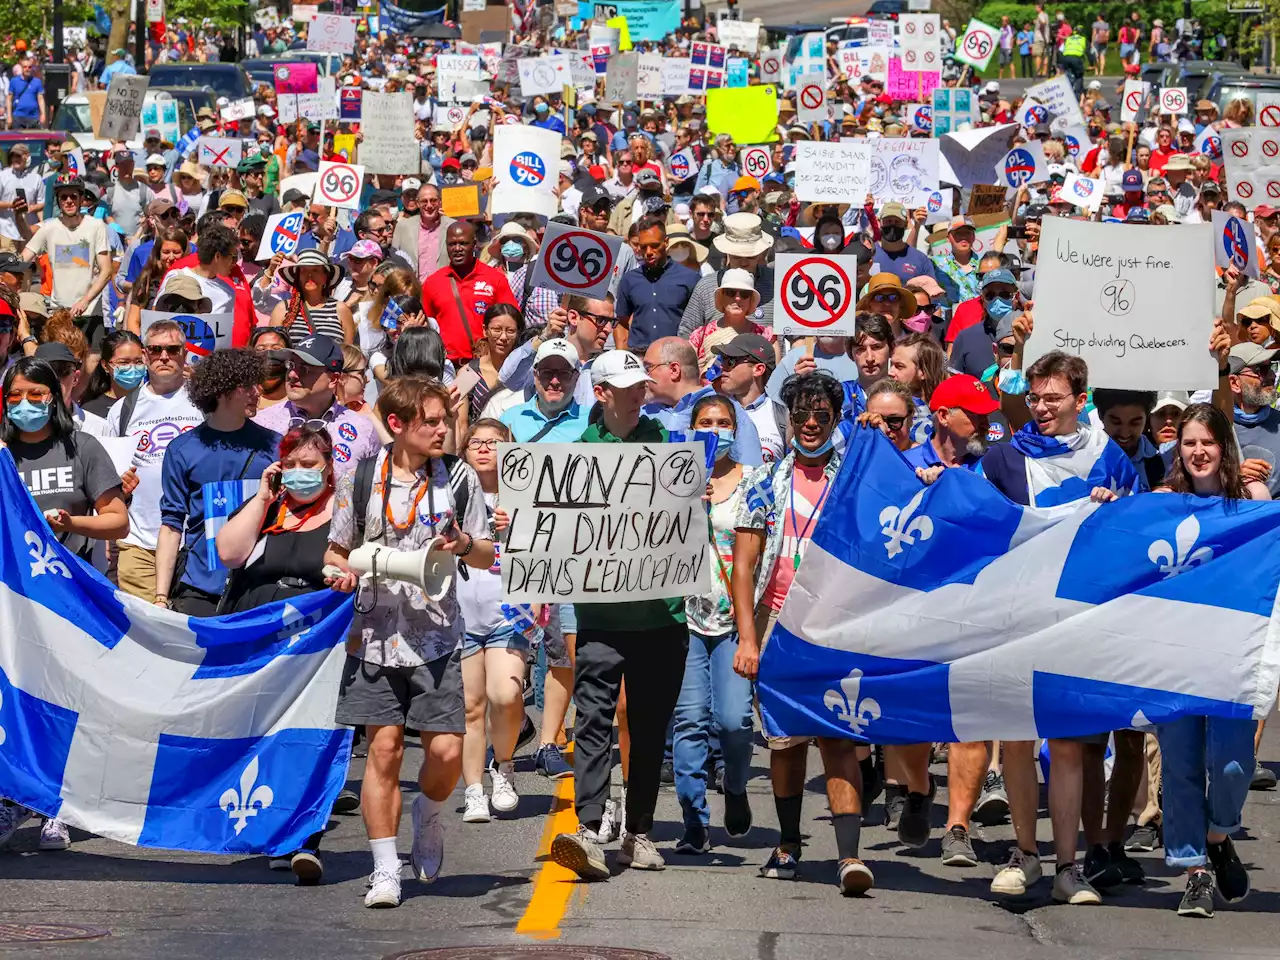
column 385, row 856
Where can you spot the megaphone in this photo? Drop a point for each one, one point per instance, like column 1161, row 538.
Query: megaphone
column 430, row 569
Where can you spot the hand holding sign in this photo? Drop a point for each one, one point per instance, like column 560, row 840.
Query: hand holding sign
column 815, row 293
column 576, row 261
column 338, row 184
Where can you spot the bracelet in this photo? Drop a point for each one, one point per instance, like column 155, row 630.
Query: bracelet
column 471, row 542
column 1222, row 371
column 25, row 340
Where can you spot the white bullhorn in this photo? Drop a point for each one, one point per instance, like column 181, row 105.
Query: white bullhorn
column 429, row 569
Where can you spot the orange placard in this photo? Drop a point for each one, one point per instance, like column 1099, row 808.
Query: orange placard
column 463, row 201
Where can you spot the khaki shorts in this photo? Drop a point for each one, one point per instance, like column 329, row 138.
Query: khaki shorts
column 136, row 570
column 766, row 618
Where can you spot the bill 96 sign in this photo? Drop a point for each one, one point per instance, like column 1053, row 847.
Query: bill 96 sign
column 815, row 294
column 338, row 184
column 576, row 261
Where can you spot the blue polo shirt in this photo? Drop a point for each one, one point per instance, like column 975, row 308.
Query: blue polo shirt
column 925, row 456
column 526, row 421
column 26, row 96
column 655, row 304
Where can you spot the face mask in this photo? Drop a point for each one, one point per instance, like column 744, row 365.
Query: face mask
column 513, row 250
column 1012, row 381
column 679, row 253
column 724, row 440
column 304, row 481
column 30, row 417
column 999, row 308
column 540, row 108
column 893, row 234
column 918, row 323
column 825, row 448
column 128, row 377
column 830, row 241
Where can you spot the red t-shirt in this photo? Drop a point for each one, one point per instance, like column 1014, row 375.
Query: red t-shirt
column 968, row 314
column 1160, row 157
column 478, row 290
column 245, row 318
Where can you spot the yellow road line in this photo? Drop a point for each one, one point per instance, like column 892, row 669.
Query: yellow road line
column 555, row 886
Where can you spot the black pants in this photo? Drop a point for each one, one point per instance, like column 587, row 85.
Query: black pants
column 1073, row 67
column 194, row 602
column 652, row 663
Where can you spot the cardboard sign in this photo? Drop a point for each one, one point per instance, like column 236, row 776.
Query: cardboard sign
column 1235, row 244
column 621, row 80
column 736, row 33
column 815, row 294
column 330, row 33
column 833, row 172
column 615, row 521
column 675, row 76
column 859, row 62
column 574, row 260
column 122, row 114
column 461, row 201
column 986, row 198
column 903, row 169
column 1173, row 100
column 649, row 76
column 953, row 106
column 219, row 151
column 1250, row 155
column 977, row 46
column 917, row 86
column 968, row 156
column 919, row 37
column 389, row 145
column 748, row 114
column 811, row 101
column 1139, row 314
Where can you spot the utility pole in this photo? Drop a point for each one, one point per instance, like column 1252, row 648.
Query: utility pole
column 140, row 36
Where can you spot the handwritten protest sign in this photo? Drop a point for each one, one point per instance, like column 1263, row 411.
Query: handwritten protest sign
column 332, row 33
column 736, row 33
column 904, row 169
column 904, row 85
column 122, row 115
column 603, row 522
column 833, row 172
column 389, row 146
column 1059, row 98
column 621, row 80
column 1139, row 317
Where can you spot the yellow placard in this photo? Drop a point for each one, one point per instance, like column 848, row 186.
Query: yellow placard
column 463, row 201
column 344, row 145
column 624, row 36
column 748, row 114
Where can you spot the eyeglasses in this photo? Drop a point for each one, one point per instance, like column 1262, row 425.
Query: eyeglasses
column 625, row 163
column 992, row 293
column 728, row 363
column 1052, row 402
column 551, row 374
column 1264, row 373
column 800, row 417
column 361, row 372
column 738, row 294
column 170, row 350
column 885, row 297
column 703, row 214
column 34, row 396
column 171, row 214
column 1006, row 349
column 385, row 228
column 598, row 319
column 476, row 443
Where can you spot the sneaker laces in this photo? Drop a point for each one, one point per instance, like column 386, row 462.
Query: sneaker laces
column 1017, row 858
column 380, row 874
column 1199, row 879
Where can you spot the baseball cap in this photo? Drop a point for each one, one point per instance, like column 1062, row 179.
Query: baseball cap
column 966, row 392
column 926, row 284
column 1172, row 398
column 618, row 368
column 959, row 222
column 560, row 348
column 893, row 209
column 647, row 180
column 1137, row 215
column 316, row 350
column 293, row 195
column 450, row 163
column 364, row 250
column 750, row 345
column 410, row 183
column 185, row 286
column 12, row 263
column 1242, row 355
column 122, row 155
column 1264, row 210
column 54, row 352
column 155, row 160
column 1131, row 181
column 999, row 275
column 745, row 183
column 596, row 194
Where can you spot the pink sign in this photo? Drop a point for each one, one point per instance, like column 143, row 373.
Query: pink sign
column 297, row 78
column 912, row 87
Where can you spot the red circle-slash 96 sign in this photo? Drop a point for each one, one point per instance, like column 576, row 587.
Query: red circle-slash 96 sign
column 339, row 183
column 816, row 292
column 756, row 162
column 578, row 260
column 977, row 44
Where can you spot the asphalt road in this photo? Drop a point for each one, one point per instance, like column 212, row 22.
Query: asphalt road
column 495, row 891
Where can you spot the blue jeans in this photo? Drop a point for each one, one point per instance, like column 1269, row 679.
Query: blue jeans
column 1192, row 748
column 711, row 691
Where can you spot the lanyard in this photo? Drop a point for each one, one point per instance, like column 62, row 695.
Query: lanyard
column 389, row 514
column 817, row 508
column 311, row 511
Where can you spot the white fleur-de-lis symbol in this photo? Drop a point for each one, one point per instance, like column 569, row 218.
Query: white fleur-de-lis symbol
column 220, row 501
column 246, row 803
column 1171, row 561
column 901, row 526
column 844, row 703
column 43, row 558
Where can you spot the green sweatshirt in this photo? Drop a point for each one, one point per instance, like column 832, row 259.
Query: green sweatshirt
column 628, row 616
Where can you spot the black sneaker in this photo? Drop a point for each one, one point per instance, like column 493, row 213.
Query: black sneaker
column 737, row 814
column 1099, row 871
column 872, row 782
column 696, row 840
column 1144, row 839
column 527, row 733
column 348, row 801
column 1198, row 900
column 913, row 825
column 895, row 799
column 668, row 774
column 1263, row 778
column 717, row 777
column 1232, row 877
column 1130, row 869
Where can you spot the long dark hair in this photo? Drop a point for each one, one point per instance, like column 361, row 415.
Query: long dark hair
column 148, row 283
column 1179, row 481
column 37, row 371
column 100, row 381
column 418, row 350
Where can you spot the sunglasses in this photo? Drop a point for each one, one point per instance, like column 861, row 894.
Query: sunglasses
column 800, row 417
column 989, row 295
column 33, row 396
column 737, row 294
column 166, row 350
column 894, row 423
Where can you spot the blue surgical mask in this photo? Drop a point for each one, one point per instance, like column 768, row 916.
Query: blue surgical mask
column 130, row 376
column 540, row 108
column 724, row 440
column 1012, row 381
column 999, row 308
column 30, row 417
column 304, row 481
column 824, row 449
column 512, row 250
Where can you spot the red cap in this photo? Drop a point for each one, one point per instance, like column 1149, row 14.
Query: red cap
column 451, row 163
column 1263, row 210
column 966, row 392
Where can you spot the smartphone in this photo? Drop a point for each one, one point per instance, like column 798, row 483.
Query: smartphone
column 1017, row 233
column 275, row 484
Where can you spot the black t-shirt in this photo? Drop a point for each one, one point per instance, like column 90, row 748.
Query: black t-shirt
column 66, row 479
column 972, row 351
column 99, row 405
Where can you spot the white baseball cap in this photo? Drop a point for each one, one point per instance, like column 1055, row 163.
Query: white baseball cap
column 618, row 368
column 155, row 160
column 560, row 348
column 410, row 183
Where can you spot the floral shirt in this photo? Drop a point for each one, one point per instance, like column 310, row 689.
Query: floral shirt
column 711, row 613
column 960, row 284
column 764, row 488
column 405, row 628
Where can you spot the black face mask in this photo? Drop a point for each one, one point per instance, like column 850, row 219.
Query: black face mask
column 893, row 233
column 273, row 373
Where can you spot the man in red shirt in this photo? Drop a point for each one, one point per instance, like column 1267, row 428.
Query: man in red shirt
column 459, row 295
column 1163, row 151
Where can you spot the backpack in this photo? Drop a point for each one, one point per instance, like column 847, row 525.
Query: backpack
column 126, row 412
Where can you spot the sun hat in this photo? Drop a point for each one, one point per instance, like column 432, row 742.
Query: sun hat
column 743, row 236
column 310, row 258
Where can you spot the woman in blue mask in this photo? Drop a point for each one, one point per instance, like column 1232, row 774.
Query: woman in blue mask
column 714, row 706
column 122, row 370
column 274, row 547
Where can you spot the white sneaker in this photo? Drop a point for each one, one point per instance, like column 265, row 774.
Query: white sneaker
column 505, row 798
column 477, row 805
column 1020, row 873
column 1070, row 886
column 427, row 854
column 384, row 889
column 609, row 827
column 55, row 835
column 12, row 816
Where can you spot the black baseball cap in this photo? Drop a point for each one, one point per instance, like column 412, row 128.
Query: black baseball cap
column 316, row 350
column 54, row 352
column 596, row 194
column 12, row 263
column 749, row 345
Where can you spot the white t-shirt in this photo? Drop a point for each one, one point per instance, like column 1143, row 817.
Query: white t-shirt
column 156, row 421
column 222, row 296
column 10, row 184
column 480, row 595
column 761, row 413
column 90, row 423
column 73, row 255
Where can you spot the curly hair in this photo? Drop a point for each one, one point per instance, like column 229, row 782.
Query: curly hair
column 220, row 373
column 806, row 390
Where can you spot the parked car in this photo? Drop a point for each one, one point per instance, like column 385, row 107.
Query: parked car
column 1195, row 75
column 1224, row 89
column 224, row 79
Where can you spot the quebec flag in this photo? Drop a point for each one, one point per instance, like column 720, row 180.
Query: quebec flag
column 144, row 726
column 948, row 613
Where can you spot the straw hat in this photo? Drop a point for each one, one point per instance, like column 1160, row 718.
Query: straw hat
column 311, row 258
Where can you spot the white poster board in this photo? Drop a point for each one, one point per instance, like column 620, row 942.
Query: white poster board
column 389, row 145
column 1085, row 192
column 339, row 185
column 815, row 294
column 449, row 118
column 122, row 113
column 811, row 99
column 597, row 522
column 904, row 169
column 621, row 79
column 204, row 332
column 239, row 109
column 649, row 76
column 1022, row 165
column 978, row 44
column 736, row 33
column 1253, row 174
column 543, row 75
column 219, row 151
column 330, row 33
column 524, row 163
column 573, row 260
column 833, row 172
column 1173, row 101
column 675, row 76
column 321, row 105
column 1139, row 313
column 919, row 37
column 1133, row 100
column 1057, row 95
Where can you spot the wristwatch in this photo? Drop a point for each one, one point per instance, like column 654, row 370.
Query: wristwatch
column 25, row 340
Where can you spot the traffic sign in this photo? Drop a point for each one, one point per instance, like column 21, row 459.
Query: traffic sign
column 280, row 235
column 812, row 102
column 816, row 294
column 527, row 169
column 338, row 184
column 977, row 45
column 1173, row 100
column 756, row 162
column 576, row 261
